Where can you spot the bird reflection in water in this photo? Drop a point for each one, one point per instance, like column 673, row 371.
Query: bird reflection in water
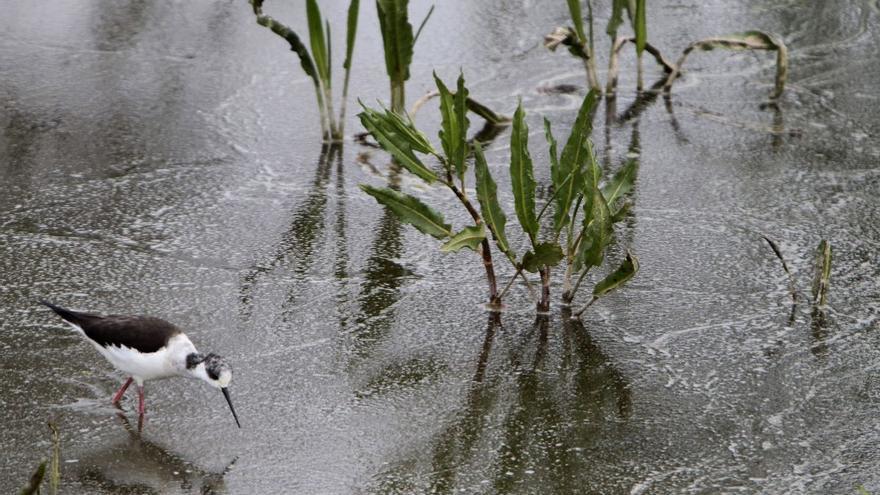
column 138, row 465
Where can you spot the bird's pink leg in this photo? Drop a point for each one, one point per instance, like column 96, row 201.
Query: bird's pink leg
column 118, row 396
column 141, row 408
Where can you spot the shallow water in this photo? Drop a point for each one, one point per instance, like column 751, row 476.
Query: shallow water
column 163, row 158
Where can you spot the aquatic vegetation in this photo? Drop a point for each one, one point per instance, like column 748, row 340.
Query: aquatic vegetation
column 317, row 64
column 398, row 41
column 582, row 45
column 578, row 188
column 821, row 273
column 749, row 40
column 397, row 135
column 792, row 285
column 38, row 478
column 577, row 185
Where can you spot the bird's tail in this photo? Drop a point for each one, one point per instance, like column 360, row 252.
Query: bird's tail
column 66, row 314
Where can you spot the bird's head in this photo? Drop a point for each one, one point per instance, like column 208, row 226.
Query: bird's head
column 214, row 370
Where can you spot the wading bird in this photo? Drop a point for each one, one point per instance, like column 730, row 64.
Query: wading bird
column 148, row 348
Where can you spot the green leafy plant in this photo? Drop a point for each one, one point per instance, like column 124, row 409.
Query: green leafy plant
column 585, row 206
column 577, row 190
column 397, row 135
column 398, row 41
column 317, row 63
column 582, row 45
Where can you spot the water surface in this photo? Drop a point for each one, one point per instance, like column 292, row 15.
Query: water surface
column 164, row 158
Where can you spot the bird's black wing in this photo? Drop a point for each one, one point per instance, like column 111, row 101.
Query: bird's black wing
column 144, row 333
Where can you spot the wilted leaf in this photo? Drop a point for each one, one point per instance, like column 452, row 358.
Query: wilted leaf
column 469, row 237
column 545, row 254
column 493, row 215
column 617, row 278
column 411, row 210
column 559, row 36
column 749, row 40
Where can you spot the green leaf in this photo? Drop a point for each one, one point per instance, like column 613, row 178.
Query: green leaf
column 487, row 195
column 548, row 133
column 449, row 123
column 575, row 155
column 422, row 25
column 461, row 110
column 411, row 210
column 545, row 254
column 617, row 278
column 574, row 10
column 296, row 44
column 350, row 35
column 621, row 213
column 822, row 278
column 317, row 41
column 641, row 27
column 397, row 37
column 399, row 138
column 469, row 237
column 597, row 231
column 622, row 182
column 522, row 176
column 616, row 19
column 453, row 130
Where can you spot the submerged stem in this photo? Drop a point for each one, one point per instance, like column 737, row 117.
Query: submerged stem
column 544, row 303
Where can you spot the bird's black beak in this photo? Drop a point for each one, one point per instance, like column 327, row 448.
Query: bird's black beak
column 229, row 401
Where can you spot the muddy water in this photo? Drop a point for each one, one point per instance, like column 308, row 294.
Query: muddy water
column 163, row 158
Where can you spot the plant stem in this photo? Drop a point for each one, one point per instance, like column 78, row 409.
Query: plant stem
column 567, row 293
column 340, row 125
column 398, row 97
column 581, row 311
column 485, row 248
column 331, row 122
column 544, row 303
column 577, row 284
column 592, row 80
column 519, row 270
column 325, row 126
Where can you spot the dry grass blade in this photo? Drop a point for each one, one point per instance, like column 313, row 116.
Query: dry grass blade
column 613, row 64
column 791, row 285
column 55, row 464
column 749, row 40
column 823, row 274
